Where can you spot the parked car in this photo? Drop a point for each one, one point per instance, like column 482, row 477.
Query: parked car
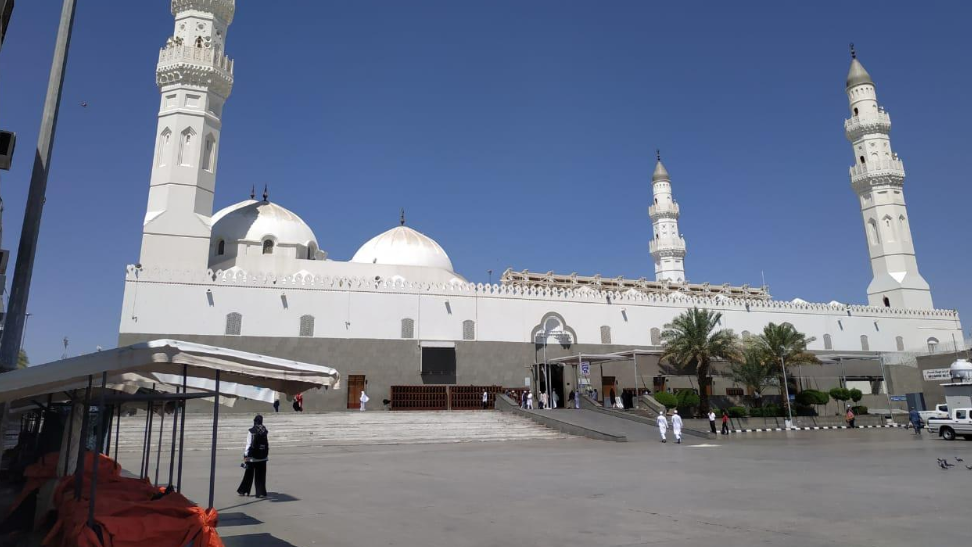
column 959, row 423
column 940, row 411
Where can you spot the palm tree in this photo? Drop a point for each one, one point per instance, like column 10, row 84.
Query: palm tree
column 692, row 339
column 783, row 343
column 752, row 371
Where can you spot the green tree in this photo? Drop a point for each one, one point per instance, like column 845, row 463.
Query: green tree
column 686, row 400
column 784, row 344
column 840, row 395
column 692, row 339
column 750, row 369
column 22, row 360
column 856, row 395
column 666, row 399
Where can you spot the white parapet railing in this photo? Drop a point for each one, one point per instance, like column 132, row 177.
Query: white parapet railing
column 182, row 54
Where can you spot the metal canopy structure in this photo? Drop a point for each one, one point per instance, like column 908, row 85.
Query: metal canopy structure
column 161, row 371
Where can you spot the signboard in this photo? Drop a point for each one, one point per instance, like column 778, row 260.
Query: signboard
column 526, row 381
column 585, row 368
column 899, row 398
column 934, row 374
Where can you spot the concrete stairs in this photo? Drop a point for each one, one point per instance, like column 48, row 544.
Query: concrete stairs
column 292, row 430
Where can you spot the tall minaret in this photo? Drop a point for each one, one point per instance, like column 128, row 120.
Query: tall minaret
column 668, row 246
column 194, row 78
column 878, row 180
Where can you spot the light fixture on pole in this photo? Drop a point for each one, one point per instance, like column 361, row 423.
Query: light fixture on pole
column 786, row 390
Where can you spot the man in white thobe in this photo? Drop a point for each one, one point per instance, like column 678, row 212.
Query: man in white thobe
column 677, row 427
column 662, row 427
column 529, row 400
column 363, row 400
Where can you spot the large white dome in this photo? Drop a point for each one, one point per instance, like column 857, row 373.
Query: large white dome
column 403, row 246
column 256, row 221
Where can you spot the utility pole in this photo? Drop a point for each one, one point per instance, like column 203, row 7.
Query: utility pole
column 26, row 252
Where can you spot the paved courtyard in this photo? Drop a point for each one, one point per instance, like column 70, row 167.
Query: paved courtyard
column 801, row 489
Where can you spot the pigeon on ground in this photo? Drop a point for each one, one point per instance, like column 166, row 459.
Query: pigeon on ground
column 943, row 463
column 968, row 466
column 959, row 459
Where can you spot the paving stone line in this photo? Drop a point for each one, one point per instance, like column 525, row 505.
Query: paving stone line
column 808, row 428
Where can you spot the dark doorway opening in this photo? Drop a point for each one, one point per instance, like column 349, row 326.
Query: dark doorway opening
column 356, row 384
column 438, row 365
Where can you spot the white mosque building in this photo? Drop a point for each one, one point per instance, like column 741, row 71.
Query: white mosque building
column 253, row 275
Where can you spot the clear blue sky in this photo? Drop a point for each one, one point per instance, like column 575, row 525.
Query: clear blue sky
column 517, row 134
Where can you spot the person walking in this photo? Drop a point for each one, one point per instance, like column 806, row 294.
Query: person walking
column 725, row 423
column 712, row 418
column 276, row 404
column 363, row 400
column 255, row 456
column 529, row 400
column 554, row 399
column 849, row 417
column 915, row 419
column 677, row 427
column 485, row 399
column 662, row 426
column 299, row 402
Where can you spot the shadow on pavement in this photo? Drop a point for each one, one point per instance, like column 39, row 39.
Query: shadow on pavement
column 255, row 540
column 237, row 519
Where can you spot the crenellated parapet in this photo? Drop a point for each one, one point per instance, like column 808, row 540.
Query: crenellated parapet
column 196, row 66
column 856, row 127
column 879, row 173
column 681, row 295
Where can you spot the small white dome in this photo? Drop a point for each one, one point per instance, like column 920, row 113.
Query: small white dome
column 253, row 220
column 403, row 246
column 961, row 369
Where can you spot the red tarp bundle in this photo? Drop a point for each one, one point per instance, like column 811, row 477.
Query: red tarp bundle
column 124, row 510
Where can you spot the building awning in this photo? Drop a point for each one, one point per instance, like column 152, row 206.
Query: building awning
column 586, row 357
column 133, row 365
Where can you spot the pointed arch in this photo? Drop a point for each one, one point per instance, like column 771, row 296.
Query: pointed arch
column 903, row 226
column 209, row 153
column 872, row 232
column 887, row 226
column 187, row 140
column 828, row 342
column 221, row 247
column 164, row 147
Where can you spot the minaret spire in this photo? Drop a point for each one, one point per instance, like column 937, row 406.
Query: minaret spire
column 266, row 192
column 668, row 247
column 401, row 218
column 253, row 191
column 877, row 178
column 853, row 52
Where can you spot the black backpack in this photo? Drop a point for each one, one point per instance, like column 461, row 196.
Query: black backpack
column 259, row 446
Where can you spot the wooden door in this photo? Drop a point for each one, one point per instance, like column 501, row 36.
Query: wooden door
column 356, row 385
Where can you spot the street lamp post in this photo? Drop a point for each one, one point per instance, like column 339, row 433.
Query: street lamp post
column 786, row 389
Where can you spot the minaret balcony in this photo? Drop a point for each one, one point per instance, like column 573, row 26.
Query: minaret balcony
column 197, row 66
column 858, row 126
column 878, row 173
column 663, row 210
column 671, row 246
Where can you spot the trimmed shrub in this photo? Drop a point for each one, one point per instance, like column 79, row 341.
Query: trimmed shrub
column 687, row 398
column 737, row 412
column 856, row 395
column 859, row 410
column 840, row 394
column 667, row 399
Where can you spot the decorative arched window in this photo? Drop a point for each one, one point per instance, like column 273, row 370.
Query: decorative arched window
column 605, row 334
column 234, row 323
column 209, row 154
column 828, row 342
column 311, row 251
column 655, row 337
column 903, row 226
column 872, row 232
column 165, row 147
column 932, row 344
column 221, row 248
column 185, row 147
column 888, row 228
column 268, row 246
column 307, row 325
column 408, row 328
column 855, row 111
column 887, row 302
column 863, row 160
column 899, row 343
column 865, row 346
column 468, row 329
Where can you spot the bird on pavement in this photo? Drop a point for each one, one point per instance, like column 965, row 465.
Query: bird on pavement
column 943, row 463
column 959, row 459
column 968, row 466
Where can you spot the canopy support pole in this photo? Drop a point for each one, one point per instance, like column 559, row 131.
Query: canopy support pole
column 182, row 426
column 83, row 443
column 67, row 444
column 106, row 443
column 212, row 460
column 94, row 461
column 145, row 433
column 172, row 445
column 118, row 430
column 148, row 445
column 158, row 450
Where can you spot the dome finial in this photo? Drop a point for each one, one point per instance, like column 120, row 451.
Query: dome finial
column 253, row 191
column 266, row 192
column 853, row 51
column 401, row 218
column 658, row 154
